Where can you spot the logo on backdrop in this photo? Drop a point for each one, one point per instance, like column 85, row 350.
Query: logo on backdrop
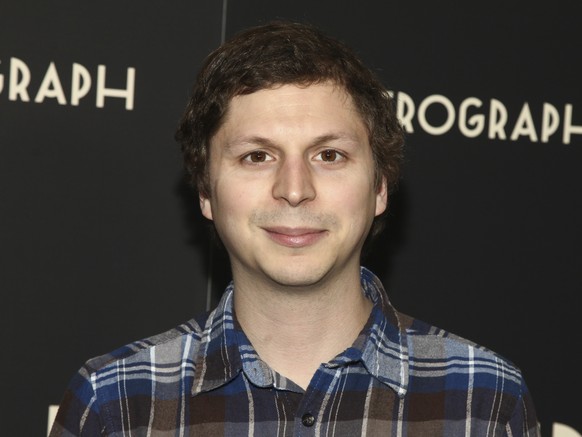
column 473, row 118
column 16, row 82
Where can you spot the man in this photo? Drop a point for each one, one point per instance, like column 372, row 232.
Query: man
column 293, row 145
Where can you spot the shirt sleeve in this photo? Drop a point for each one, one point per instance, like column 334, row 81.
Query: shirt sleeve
column 523, row 421
column 79, row 413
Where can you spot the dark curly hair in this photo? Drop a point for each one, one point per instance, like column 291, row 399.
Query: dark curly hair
column 282, row 53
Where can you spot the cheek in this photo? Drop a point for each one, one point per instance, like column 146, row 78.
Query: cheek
column 357, row 192
column 232, row 201
column 355, row 207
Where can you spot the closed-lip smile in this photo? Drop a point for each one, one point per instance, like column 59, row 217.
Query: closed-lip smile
column 294, row 237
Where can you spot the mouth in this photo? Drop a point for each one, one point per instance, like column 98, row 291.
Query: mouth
column 295, row 237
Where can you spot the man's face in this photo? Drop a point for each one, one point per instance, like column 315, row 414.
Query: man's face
column 292, row 185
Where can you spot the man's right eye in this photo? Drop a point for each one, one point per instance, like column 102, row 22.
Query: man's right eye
column 257, row 157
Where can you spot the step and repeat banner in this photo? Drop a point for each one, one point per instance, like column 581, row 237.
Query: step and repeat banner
column 101, row 241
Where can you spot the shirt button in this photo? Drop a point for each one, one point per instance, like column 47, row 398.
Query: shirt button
column 308, row 419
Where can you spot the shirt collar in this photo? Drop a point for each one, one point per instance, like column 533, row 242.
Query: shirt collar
column 384, row 342
column 218, row 359
column 225, row 350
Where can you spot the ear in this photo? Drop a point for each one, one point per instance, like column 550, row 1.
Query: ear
column 205, row 207
column 381, row 197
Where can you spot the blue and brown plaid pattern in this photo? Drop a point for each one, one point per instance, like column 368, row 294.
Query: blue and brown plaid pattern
column 401, row 377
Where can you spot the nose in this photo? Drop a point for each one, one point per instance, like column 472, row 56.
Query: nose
column 294, row 181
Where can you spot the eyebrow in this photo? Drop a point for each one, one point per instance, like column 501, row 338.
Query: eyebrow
column 266, row 142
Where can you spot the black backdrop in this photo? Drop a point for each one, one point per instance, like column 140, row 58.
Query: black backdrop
column 101, row 242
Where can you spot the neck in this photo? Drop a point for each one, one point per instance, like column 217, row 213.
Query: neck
column 295, row 329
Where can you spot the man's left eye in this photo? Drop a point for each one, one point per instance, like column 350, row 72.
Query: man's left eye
column 329, row 155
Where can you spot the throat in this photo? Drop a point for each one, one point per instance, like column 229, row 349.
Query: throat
column 295, row 342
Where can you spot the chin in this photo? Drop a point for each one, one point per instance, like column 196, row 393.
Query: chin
column 297, row 277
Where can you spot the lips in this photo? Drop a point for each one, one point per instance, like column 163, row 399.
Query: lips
column 295, row 237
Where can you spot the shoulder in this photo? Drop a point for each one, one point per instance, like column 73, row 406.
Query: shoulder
column 162, row 361
column 430, row 338
column 172, row 342
column 140, row 362
column 475, row 379
column 435, row 352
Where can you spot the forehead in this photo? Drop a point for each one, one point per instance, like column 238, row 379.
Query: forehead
column 318, row 106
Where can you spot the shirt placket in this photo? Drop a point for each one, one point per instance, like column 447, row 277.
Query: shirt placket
column 312, row 417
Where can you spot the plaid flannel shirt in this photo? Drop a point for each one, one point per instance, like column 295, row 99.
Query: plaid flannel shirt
column 401, row 377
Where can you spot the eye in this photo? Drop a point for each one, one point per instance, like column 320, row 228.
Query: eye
column 329, row 155
column 257, row 156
